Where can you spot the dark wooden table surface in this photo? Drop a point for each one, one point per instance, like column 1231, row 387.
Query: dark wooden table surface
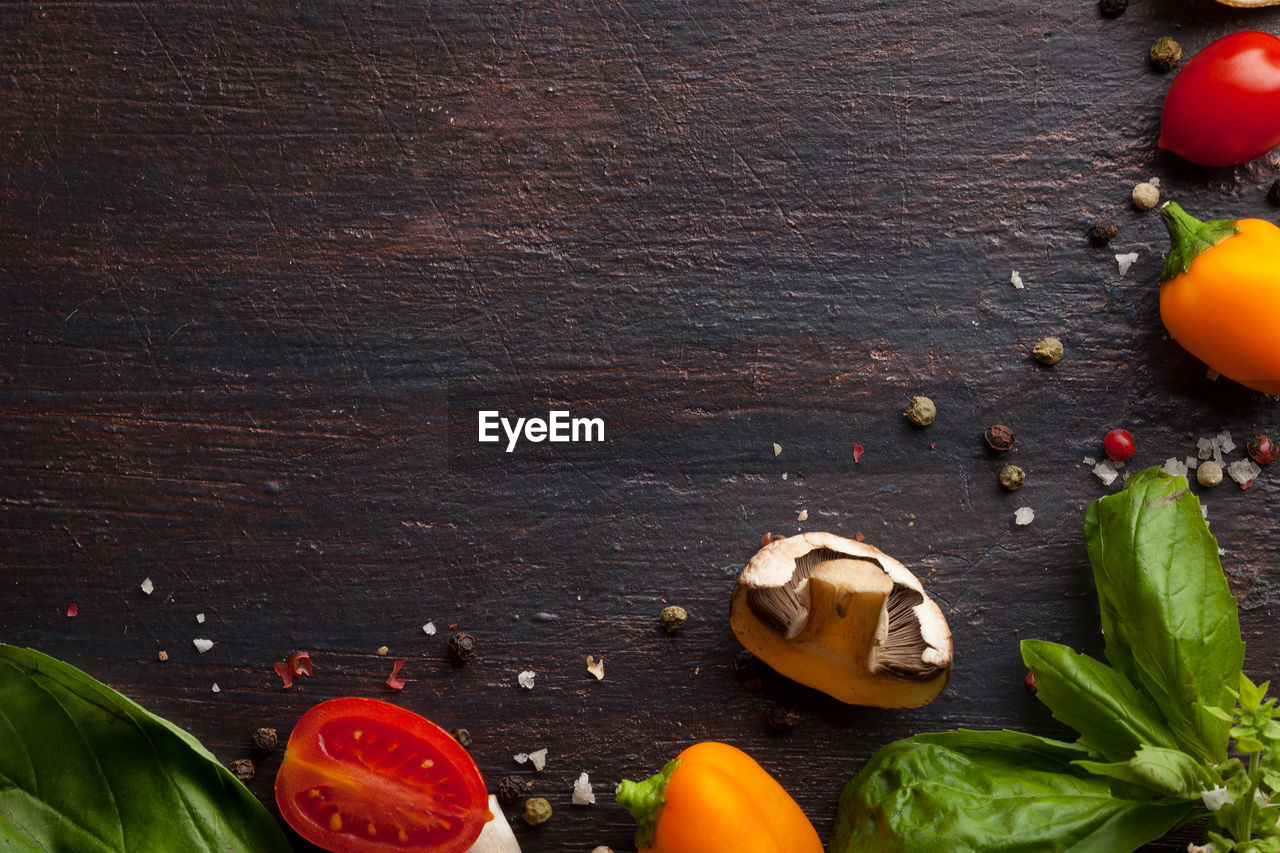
column 262, row 264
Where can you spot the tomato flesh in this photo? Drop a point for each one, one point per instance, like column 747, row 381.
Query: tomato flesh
column 365, row 776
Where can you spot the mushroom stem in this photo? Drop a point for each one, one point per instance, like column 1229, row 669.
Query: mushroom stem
column 846, row 609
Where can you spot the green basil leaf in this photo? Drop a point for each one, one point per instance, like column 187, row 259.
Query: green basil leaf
column 990, row 792
column 1113, row 717
column 1168, row 617
column 1168, row 772
column 83, row 768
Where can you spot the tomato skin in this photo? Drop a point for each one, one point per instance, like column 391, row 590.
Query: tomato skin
column 1223, row 108
column 365, row 776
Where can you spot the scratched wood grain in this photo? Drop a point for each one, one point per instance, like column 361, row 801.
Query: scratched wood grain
column 262, row 264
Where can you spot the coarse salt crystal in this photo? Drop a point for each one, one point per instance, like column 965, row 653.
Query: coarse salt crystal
column 537, row 757
column 595, row 667
column 202, row 646
column 200, row 618
column 1155, row 182
column 803, row 515
column 1024, row 515
column 1204, row 448
column 1105, row 472
column 429, row 629
column 777, row 449
column 1090, row 461
column 147, row 586
column 1174, row 467
column 216, row 688
column 1192, row 463
column 1126, row 260
column 582, row 795
column 1243, row 471
column 1016, row 280
column 525, row 679
column 1224, row 441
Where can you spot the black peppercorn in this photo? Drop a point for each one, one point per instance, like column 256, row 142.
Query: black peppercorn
column 1273, row 195
column 462, row 647
column 463, row 737
column 998, row 437
column 243, row 768
column 747, row 669
column 511, row 789
column 780, row 719
column 265, row 740
column 1112, row 8
column 1102, row 232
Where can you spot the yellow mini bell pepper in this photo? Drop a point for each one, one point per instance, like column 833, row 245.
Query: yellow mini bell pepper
column 714, row 798
column 1220, row 295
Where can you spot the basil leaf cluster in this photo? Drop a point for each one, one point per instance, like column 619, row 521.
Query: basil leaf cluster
column 1155, row 721
column 83, row 768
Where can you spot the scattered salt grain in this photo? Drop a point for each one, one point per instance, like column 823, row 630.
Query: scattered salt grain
column 538, row 758
column 1126, row 260
column 595, row 667
column 200, row 618
column 1243, row 471
column 1192, row 463
column 525, row 679
column 216, row 688
column 1024, row 515
column 202, row 646
column 1016, row 280
column 1223, row 440
column 803, row 515
column 1105, row 472
column 1155, row 182
column 147, row 586
column 1174, row 467
column 582, row 795
column 1090, row 461
column 429, row 629
column 777, row 449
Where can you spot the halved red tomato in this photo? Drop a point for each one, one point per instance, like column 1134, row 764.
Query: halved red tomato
column 365, row 776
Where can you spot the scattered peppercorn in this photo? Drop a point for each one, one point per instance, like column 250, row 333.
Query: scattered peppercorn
column 1012, row 477
column 747, row 669
column 921, row 411
column 1145, row 196
column 536, row 811
column 672, row 618
column 382, row 651
column 1031, row 683
column 462, row 647
column 1119, row 445
column 243, row 768
column 602, row 849
column 462, row 736
column 998, row 437
column 1273, row 194
column 1047, row 351
column 1102, row 232
column 511, row 789
column 1209, row 473
column 780, row 719
column 1112, row 8
column 162, row 656
column 1165, row 54
column 1262, row 450
column 265, row 740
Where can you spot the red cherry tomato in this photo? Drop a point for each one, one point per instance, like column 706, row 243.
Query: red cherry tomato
column 366, row 776
column 1118, row 445
column 1223, row 108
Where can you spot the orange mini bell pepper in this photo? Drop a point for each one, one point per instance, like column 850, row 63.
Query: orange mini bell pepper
column 715, row 798
column 1220, row 295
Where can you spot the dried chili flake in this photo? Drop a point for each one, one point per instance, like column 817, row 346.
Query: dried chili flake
column 72, row 610
column 857, row 453
column 286, row 674
column 394, row 681
column 300, row 663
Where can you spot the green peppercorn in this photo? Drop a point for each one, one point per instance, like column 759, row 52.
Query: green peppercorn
column 1012, row 477
column 1047, row 351
column 1165, row 54
column 536, row 811
column 672, row 618
column 921, row 411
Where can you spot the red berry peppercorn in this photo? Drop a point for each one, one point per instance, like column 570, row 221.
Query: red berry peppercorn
column 1118, row 445
column 1262, row 450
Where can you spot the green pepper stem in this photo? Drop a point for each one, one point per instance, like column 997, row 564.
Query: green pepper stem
column 644, row 801
column 1188, row 237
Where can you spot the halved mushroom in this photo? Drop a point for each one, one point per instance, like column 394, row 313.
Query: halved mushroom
column 844, row 618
